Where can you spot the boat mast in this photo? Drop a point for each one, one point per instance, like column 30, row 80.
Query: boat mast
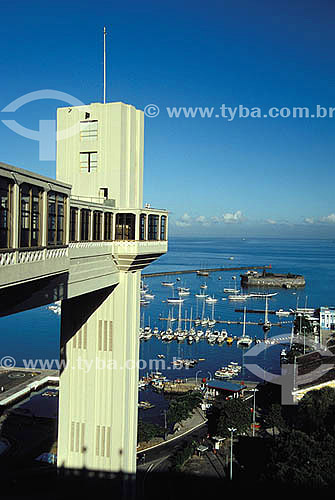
column 179, row 318
column 244, row 314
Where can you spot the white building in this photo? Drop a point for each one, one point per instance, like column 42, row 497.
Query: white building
column 327, row 318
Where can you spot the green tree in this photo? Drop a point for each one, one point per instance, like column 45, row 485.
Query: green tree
column 147, row 431
column 316, row 411
column 233, row 413
column 274, row 418
column 181, row 408
column 298, row 460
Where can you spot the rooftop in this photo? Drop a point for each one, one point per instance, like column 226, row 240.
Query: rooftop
column 224, row 385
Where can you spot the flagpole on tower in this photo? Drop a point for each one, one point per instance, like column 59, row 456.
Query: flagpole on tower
column 105, row 64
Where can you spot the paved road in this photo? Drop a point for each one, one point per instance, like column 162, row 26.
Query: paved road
column 157, row 459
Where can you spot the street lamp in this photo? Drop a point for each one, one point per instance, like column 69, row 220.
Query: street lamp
column 254, row 412
column 231, row 430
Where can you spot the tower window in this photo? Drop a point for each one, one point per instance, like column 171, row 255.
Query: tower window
column 88, row 130
column 88, row 161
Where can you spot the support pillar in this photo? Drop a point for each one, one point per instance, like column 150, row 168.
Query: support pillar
column 98, row 396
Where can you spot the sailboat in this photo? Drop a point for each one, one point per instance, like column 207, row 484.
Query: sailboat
column 267, row 324
column 245, row 340
column 211, row 300
column 174, row 300
column 201, row 295
column 232, row 290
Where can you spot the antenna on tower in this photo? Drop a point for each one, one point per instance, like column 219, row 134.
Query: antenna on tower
column 105, row 64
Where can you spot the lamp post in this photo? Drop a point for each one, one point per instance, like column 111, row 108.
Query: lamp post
column 254, row 412
column 231, row 430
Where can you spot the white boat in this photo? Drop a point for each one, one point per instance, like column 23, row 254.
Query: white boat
column 281, row 312
column 149, row 296
column 245, row 340
column 262, row 295
column 232, row 290
column 167, row 283
column 175, row 300
column 224, row 373
column 202, row 273
column 211, row 300
column 201, row 295
column 211, row 339
column 238, row 297
column 203, row 286
column 182, row 293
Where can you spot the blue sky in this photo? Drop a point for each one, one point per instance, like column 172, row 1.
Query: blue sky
column 240, row 177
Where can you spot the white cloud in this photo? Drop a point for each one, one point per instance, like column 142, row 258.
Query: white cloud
column 330, row 219
column 229, row 218
column 225, row 218
column 201, row 218
column 326, row 219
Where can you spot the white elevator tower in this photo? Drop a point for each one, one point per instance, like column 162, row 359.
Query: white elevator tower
column 100, row 154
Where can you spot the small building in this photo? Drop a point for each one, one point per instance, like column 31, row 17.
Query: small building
column 218, row 441
column 224, row 388
column 327, row 318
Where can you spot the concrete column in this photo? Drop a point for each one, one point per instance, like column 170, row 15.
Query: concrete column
column 44, row 219
column 15, row 216
column 98, row 397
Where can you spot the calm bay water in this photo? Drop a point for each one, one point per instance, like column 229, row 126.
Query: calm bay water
column 35, row 334
column 312, row 258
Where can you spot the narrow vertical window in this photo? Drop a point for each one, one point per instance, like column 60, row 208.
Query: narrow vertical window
column 108, row 226
column 85, row 217
column 143, row 218
column 97, row 221
column 153, row 221
column 5, row 213
column 56, row 212
column 30, row 215
column 73, row 223
column 163, row 228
